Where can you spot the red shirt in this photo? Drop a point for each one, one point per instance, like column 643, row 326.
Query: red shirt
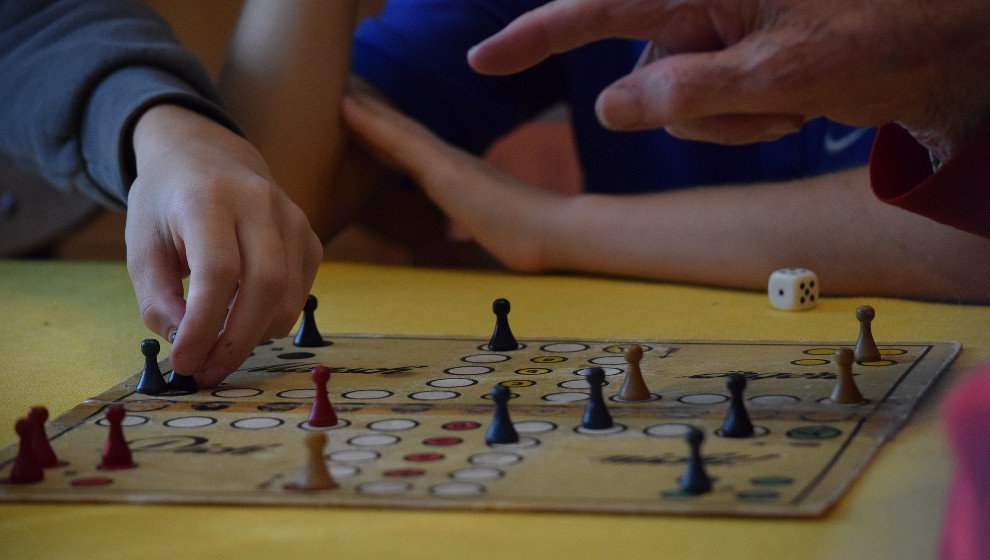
column 958, row 194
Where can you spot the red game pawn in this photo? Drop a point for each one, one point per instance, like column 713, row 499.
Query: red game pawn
column 26, row 467
column 42, row 448
column 322, row 414
column 116, row 454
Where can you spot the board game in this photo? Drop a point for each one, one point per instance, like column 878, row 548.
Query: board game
column 413, row 412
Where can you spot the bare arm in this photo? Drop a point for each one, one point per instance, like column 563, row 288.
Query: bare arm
column 285, row 72
column 732, row 236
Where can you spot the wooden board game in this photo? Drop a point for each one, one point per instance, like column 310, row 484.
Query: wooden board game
column 413, row 412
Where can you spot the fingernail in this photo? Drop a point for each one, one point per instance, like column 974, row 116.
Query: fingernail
column 171, row 335
column 618, row 109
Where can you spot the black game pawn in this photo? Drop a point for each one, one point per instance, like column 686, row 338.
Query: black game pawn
column 152, row 381
column 182, row 384
column 695, row 480
column 737, row 423
column 596, row 414
column 309, row 336
column 502, row 338
column 501, row 429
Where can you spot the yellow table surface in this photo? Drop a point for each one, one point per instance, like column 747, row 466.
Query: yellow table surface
column 70, row 330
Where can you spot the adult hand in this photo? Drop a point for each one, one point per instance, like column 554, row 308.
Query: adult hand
column 736, row 71
column 204, row 205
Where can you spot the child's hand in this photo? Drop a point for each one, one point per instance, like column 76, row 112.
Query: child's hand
column 513, row 220
column 205, row 206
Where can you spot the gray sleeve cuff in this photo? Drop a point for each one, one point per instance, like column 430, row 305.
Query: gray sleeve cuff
column 112, row 111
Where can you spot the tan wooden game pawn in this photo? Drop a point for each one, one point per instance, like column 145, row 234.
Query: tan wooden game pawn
column 634, row 388
column 866, row 347
column 316, row 476
column 845, row 391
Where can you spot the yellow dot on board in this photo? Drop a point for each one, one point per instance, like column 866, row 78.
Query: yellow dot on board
column 534, row 371
column 820, row 351
column 810, row 362
column 518, row 383
column 548, row 359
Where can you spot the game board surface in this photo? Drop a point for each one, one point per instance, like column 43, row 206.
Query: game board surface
column 413, row 413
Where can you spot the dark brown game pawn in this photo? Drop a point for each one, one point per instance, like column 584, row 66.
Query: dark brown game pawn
column 634, row 388
column 845, row 391
column 502, row 338
column 39, row 439
column 116, row 454
column 322, row 414
column 26, row 467
column 152, row 381
column 866, row 347
column 695, row 480
column 309, row 336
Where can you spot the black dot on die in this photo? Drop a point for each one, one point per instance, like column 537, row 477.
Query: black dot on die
column 812, row 284
column 812, row 298
column 807, row 292
column 802, row 299
column 780, row 292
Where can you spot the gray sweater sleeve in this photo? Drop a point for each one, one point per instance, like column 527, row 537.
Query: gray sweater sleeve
column 74, row 77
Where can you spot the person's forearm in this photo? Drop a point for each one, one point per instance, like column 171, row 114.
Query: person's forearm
column 735, row 236
column 285, row 73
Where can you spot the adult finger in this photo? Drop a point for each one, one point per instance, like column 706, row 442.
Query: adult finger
column 554, row 28
column 214, row 271
column 737, row 129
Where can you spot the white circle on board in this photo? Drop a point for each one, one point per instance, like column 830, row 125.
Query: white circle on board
column 485, row 358
column 565, row 397
column 384, row 487
column 340, row 472
column 341, row 423
column 608, row 371
column 367, row 394
column 237, row 392
column 608, row 361
column 616, row 428
column 256, row 423
column 451, row 382
column 525, row 442
column 469, row 370
column 373, row 440
column 129, row 420
column 457, row 489
column 564, row 347
column 434, row 395
column 298, row 394
column 354, row 455
column 703, row 398
column 495, row 458
column 667, row 430
column 189, row 422
column 774, row 399
column 534, row 427
column 393, row 424
column 577, row 384
column 477, row 474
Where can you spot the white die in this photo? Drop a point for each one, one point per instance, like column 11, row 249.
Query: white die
column 793, row 288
